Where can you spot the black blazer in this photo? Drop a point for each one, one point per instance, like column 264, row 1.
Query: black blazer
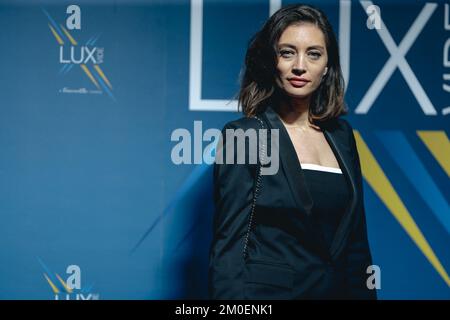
column 286, row 257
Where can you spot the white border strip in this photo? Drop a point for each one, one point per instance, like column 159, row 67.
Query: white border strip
column 196, row 103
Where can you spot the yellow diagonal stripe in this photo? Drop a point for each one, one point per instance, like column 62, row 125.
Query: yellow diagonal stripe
column 374, row 175
column 72, row 40
column 439, row 145
column 54, row 288
column 68, row 290
column 89, row 74
column 100, row 72
column 56, row 35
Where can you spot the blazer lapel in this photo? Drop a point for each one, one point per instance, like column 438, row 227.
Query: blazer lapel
column 345, row 158
column 296, row 180
column 290, row 164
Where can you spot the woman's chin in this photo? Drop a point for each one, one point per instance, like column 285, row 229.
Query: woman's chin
column 298, row 94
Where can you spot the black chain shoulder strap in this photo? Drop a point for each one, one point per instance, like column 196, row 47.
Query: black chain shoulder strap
column 257, row 185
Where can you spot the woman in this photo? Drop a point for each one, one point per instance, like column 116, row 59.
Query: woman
column 299, row 233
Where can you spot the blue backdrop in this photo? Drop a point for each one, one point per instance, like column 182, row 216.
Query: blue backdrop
column 89, row 99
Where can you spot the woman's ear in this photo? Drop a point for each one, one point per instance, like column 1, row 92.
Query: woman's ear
column 325, row 71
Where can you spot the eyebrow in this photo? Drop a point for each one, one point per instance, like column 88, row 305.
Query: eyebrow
column 294, row 47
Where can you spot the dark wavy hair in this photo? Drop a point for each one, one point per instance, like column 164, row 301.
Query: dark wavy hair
column 258, row 85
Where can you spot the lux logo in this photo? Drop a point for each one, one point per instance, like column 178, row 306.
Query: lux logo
column 397, row 57
column 87, row 56
column 82, row 56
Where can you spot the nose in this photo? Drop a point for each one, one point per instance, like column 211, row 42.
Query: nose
column 299, row 65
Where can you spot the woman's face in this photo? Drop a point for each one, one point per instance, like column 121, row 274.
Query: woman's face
column 302, row 59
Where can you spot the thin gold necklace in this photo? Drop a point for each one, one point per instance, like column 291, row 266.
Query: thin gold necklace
column 298, row 127
column 304, row 128
column 301, row 129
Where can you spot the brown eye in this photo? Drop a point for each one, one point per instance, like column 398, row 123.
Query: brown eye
column 286, row 53
column 315, row 54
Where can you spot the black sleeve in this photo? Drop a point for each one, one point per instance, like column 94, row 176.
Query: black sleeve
column 359, row 256
column 233, row 193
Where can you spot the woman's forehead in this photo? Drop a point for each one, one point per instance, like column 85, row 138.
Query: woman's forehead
column 305, row 34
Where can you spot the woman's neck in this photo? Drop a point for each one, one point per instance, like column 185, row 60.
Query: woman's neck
column 295, row 112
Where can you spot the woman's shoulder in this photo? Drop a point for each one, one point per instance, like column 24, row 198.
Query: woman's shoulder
column 342, row 128
column 345, row 124
column 243, row 123
column 338, row 123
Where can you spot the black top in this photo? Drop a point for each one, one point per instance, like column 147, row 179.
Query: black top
column 331, row 196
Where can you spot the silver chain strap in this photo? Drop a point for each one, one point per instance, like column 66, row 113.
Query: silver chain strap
column 262, row 153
